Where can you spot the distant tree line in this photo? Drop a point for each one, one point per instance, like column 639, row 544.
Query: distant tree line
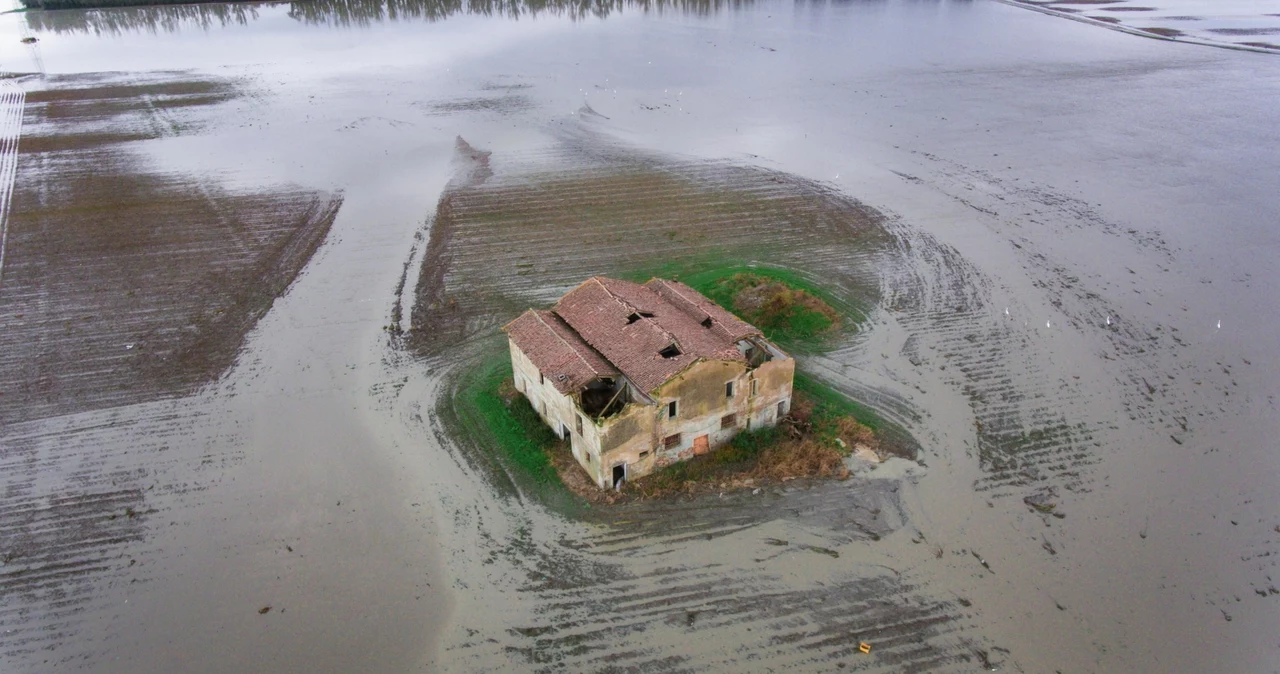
column 171, row 15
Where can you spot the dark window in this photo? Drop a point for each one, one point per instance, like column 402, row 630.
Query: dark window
column 637, row 316
column 728, row 390
column 729, row 421
column 670, row 352
column 671, row 441
column 643, row 455
column 782, row 409
column 564, row 432
column 755, row 386
column 579, row 424
column 541, row 379
column 706, row 322
column 671, row 409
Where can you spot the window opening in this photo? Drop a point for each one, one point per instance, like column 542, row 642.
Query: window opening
column 782, row 409
column 579, row 422
column 706, row 322
column 619, row 475
column 728, row 390
column 644, row 455
column 672, row 409
column 671, row 441
column 728, row 421
column 670, row 352
column 541, row 379
column 755, row 386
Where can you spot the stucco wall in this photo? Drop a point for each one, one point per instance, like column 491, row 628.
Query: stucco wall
column 635, row 436
column 701, row 404
column 559, row 409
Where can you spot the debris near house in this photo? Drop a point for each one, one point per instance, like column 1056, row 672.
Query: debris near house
column 812, row 441
column 638, row 377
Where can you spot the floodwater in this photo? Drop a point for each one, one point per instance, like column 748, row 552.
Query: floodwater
column 1065, row 238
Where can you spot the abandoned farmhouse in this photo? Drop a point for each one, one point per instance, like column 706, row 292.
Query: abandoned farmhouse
column 639, row 376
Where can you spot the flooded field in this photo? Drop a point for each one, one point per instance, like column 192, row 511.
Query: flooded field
column 249, row 250
column 1238, row 24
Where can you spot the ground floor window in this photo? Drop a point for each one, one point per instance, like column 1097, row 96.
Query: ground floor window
column 782, row 409
column 728, row 421
column 671, row 441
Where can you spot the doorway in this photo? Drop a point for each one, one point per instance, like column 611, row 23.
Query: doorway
column 619, row 475
column 701, row 445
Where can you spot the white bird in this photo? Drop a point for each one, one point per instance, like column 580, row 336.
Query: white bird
column 1006, row 311
column 1219, row 323
column 837, row 175
column 1046, row 324
column 1108, row 320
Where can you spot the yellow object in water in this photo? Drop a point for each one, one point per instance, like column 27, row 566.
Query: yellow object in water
column 864, row 647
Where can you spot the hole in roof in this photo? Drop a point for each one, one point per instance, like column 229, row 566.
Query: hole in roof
column 670, row 352
column 706, row 322
column 637, row 316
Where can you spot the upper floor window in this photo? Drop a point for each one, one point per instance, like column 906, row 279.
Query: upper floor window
column 672, row 408
column 728, row 390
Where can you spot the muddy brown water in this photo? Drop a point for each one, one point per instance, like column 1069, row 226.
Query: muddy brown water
column 1063, row 237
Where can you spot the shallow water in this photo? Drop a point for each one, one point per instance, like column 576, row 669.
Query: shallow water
column 1079, row 301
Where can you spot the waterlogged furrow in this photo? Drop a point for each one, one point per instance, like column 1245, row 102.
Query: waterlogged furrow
column 182, row 266
column 80, row 494
column 620, row 593
column 12, row 100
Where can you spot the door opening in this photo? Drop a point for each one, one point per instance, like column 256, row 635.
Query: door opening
column 619, row 475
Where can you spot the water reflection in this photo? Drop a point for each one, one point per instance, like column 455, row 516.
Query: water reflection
column 174, row 18
column 159, row 18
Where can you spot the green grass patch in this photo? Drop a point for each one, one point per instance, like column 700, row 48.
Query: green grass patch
column 794, row 326
column 829, row 403
column 507, row 423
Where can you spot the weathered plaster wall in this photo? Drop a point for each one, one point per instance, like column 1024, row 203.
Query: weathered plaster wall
column 556, row 408
column 635, row 437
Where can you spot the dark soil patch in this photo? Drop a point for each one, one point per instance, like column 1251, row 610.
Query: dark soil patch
column 1244, row 31
column 500, row 244
column 122, row 284
column 1163, row 32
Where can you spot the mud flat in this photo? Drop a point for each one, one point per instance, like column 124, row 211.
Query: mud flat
column 1067, row 277
column 121, row 286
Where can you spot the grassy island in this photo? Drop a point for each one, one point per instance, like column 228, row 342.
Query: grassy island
column 822, row 428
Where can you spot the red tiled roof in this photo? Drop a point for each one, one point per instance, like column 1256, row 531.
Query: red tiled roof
column 630, row 324
column 558, row 352
column 699, row 308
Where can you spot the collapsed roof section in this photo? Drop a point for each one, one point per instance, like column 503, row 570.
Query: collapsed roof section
column 649, row 333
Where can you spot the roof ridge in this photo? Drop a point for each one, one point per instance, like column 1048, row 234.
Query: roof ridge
column 538, row 315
